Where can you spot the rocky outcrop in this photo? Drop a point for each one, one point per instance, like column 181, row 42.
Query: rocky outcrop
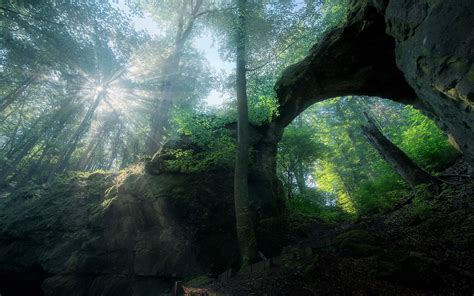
column 415, row 52
column 132, row 233
column 435, row 51
column 129, row 234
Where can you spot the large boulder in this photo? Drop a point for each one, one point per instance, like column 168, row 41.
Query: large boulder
column 126, row 234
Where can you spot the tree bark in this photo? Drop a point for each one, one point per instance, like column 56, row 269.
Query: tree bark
column 245, row 230
column 300, row 179
column 395, row 157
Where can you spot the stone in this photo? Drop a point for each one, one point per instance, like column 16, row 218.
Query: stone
column 413, row 52
column 110, row 235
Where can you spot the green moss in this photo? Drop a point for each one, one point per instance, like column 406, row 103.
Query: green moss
column 421, row 207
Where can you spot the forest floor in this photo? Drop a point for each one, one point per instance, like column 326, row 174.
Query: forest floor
column 425, row 246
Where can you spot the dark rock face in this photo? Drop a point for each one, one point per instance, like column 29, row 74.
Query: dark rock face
column 130, row 234
column 435, row 51
column 415, row 52
column 133, row 233
column 356, row 59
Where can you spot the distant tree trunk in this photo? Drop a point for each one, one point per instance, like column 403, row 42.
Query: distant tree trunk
column 289, row 186
column 92, row 153
column 401, row 163
column 245, row 231
column 299, row 169
column 300, row 179
column 13, row 136
column 125, row 161
column 85, row 157
column 78, row 134
column 115, row 148
column 48, row 130
column 10, row 98
column 24, row 140
column 160, row 115
column 358, row 173
column 35, row 167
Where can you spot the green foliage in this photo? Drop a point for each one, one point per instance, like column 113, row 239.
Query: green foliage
column 262, row 109
column 297, row 151
column 422, row 207
column 319, row 205
column 216, row 146
column 381, row 192
column 299, row 145
column 424, row 142
column 350, row 169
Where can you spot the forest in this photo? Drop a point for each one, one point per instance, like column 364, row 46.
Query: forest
column 236, row 147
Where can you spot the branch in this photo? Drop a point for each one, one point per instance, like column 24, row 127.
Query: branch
column 25, row 15
column 209, row 11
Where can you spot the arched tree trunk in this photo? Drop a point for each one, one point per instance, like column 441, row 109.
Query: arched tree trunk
column 394, row 156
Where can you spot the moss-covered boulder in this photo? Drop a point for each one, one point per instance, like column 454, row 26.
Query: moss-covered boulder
column 414, row 52
column 126, row 234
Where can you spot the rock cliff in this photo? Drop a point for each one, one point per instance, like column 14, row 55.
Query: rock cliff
column 414, row 52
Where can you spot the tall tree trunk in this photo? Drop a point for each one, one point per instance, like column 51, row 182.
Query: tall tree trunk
column 5, row 173
column 33, row 168
column 401, row 163
column 359, row 153
column 245, row 230
column 125, row 161
column 91, row 155
column 299, row 168
column 300, row 179
column 161, row 112
column 72, row 143
column 24, row 139
column 84, row 159
column 38, row 131
column 12, row 138
column 160, row 115
column 115, row 148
